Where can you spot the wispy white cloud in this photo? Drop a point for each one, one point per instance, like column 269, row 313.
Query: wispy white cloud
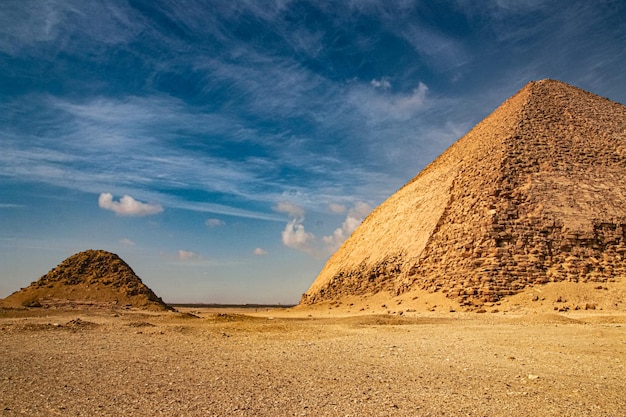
column 203, row 207
column 437, row 47
column 53, row 23
column 127, row 242
column 406, row 105
column 383, row 83
column 337, row 208
column 379, row 105
column 214, row 222
column 293, row 210
column 83, row 151
column 441, row 51
column 28, row 24
column 128, row 206
column 94, row 132
column 498, row 9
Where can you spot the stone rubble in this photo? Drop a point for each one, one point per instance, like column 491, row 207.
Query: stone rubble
column 89, row 279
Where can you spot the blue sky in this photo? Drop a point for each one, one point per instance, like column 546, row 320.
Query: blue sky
column 225, row 149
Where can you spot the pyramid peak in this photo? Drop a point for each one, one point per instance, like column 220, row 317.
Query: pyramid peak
column 548, row 86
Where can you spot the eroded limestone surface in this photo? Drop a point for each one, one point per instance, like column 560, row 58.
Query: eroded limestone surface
column 534, row 193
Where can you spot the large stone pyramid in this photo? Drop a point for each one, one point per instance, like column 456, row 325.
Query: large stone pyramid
column 534, row 193
column 93, row 278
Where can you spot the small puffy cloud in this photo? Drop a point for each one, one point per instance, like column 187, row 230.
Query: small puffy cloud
column 293, row 210
column 127, row 242
column 353, row 220
column 337, row 208
column 260, row 252
column 128, row 206
column 382, row 83
column 186, row 255
column 294, row 236
column 214, row 223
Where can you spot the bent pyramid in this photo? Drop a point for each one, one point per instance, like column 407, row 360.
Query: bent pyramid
column 93, row 278
column 534, row 193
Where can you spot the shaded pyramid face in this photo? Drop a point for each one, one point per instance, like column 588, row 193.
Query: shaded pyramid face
column 534, row 193
column 93, row 278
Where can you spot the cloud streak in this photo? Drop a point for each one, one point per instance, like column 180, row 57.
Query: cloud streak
column 132, row 142
column 83, row 151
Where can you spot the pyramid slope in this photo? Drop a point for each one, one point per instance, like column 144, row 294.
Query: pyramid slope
column 93, row 278
column 532, row 194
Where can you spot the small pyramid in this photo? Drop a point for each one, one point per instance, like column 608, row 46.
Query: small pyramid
column 93, row 278
column 534, row 193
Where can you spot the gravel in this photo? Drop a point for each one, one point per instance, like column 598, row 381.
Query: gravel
column 105, row 364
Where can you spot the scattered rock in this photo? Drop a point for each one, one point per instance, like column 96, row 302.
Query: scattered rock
column 79, row 324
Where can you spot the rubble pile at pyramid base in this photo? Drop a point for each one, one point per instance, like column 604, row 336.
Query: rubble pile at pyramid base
column 533, row 194
column 89, row 279
column 550, row 298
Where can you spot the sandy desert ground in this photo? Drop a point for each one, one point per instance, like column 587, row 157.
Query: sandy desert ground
column 321, row 362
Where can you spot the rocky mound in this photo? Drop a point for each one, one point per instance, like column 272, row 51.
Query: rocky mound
column 93, row 278
column 535, row 193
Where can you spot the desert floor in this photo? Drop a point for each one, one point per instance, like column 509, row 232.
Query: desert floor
column 257, row 362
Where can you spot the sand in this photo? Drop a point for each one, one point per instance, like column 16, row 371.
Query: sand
column 324, row 362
